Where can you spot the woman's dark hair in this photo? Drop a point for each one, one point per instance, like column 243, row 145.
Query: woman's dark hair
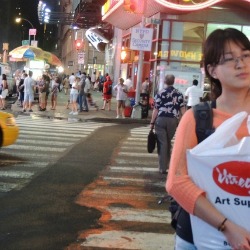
column 4, row 77
column 214, row 50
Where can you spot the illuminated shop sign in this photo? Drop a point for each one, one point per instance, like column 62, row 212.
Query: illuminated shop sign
column 108, row 6
column 187, row 5
column 183, row 54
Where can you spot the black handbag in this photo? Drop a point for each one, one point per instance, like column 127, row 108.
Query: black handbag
column 151, row 141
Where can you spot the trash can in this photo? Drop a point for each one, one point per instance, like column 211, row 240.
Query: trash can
column 136, row 112
column 128, row 111
column 144, row 103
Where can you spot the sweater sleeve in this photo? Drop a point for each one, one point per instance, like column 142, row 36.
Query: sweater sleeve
column 179, row 185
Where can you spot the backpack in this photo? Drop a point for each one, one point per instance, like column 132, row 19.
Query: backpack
column 203, row 115
column 109, row 90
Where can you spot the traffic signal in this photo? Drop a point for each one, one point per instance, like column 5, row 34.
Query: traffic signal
column 130, row 5
column 78, row 44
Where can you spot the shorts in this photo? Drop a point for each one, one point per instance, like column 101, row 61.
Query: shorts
column 28, row 97
column 4, row 94
column 42, row 97
column 73, row 97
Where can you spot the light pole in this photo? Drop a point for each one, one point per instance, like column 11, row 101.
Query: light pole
column 19, row 19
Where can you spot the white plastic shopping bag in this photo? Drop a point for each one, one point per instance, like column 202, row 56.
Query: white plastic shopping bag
column 220, row 165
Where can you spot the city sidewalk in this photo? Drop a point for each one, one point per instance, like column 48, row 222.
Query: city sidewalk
column 62, row 112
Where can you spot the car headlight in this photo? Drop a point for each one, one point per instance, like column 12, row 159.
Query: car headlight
column 10, row 121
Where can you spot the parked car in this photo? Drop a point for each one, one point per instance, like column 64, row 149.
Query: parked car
column 9, row 130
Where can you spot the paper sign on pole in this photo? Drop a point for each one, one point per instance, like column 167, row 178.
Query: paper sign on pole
column 32, row 32
column 34, row 43
column 141, row 39
column 81, row 58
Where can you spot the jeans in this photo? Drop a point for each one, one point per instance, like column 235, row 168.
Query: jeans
column 83, row 100
column 165, row 128
column 181, row 244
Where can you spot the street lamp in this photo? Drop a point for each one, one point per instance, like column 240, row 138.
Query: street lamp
column 19, row 19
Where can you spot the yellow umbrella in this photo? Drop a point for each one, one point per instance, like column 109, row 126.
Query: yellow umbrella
column 30, row 52
column 52, row 58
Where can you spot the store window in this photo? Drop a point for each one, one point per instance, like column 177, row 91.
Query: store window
column 213, row 26
column 184, row 51
column 163, row 50
column 165, row 30
column 188, row 31
column 246, row 31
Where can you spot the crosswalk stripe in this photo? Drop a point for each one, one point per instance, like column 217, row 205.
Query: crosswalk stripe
column 40, row 149
column 140, row 215
column 6, row 187
column 138, row 154
column 39, row 138
column 130, row 240
column 124, row 182
column 132, row 169
column 16, row 174
column 45, row 143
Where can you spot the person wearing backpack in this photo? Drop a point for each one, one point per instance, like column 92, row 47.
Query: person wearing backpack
column 107, row 93
column 227, row 66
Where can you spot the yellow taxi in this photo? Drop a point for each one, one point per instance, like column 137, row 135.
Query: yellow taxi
column 8, row 129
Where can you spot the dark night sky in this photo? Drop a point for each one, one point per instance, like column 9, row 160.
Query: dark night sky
column 14, row 33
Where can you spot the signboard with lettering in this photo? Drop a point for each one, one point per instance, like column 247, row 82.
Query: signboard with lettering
column 32, row 32
column 141, row 39
column 70, row 63
column 81, row 58
column 25, row 42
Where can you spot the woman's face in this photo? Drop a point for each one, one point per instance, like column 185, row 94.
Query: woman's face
column 234, row 69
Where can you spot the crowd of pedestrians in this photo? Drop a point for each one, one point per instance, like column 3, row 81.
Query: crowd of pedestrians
column 77, row 86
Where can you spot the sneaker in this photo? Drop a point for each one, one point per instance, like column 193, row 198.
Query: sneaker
column 24, row 110
column 117, row 117
column 71, row 113
column 30, row 110
column 75, row 113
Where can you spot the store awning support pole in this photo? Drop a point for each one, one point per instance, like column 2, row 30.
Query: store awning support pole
column 140, row 68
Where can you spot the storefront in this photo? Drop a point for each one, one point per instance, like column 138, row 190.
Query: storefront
column 179, row 31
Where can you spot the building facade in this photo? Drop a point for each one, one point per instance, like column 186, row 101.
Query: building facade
column 179, row 31
column 77, row 53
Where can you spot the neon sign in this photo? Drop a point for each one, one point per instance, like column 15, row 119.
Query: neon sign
column 187, row 55
column 187, row 7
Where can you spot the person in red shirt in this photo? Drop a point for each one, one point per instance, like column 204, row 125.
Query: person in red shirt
column 107, row 93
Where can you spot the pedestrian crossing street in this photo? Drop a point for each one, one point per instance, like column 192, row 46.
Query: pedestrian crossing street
column 127, row 192
column 40, row 143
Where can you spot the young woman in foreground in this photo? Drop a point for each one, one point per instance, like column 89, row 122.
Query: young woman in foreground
column 227, row 66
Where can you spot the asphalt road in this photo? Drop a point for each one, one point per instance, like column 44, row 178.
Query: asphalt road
column 43, row 214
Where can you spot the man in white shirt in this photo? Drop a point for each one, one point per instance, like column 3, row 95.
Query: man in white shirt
column 193, row 94
column 145, row 86
column 129, row 83
column 72, row 79
column 29, row 87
